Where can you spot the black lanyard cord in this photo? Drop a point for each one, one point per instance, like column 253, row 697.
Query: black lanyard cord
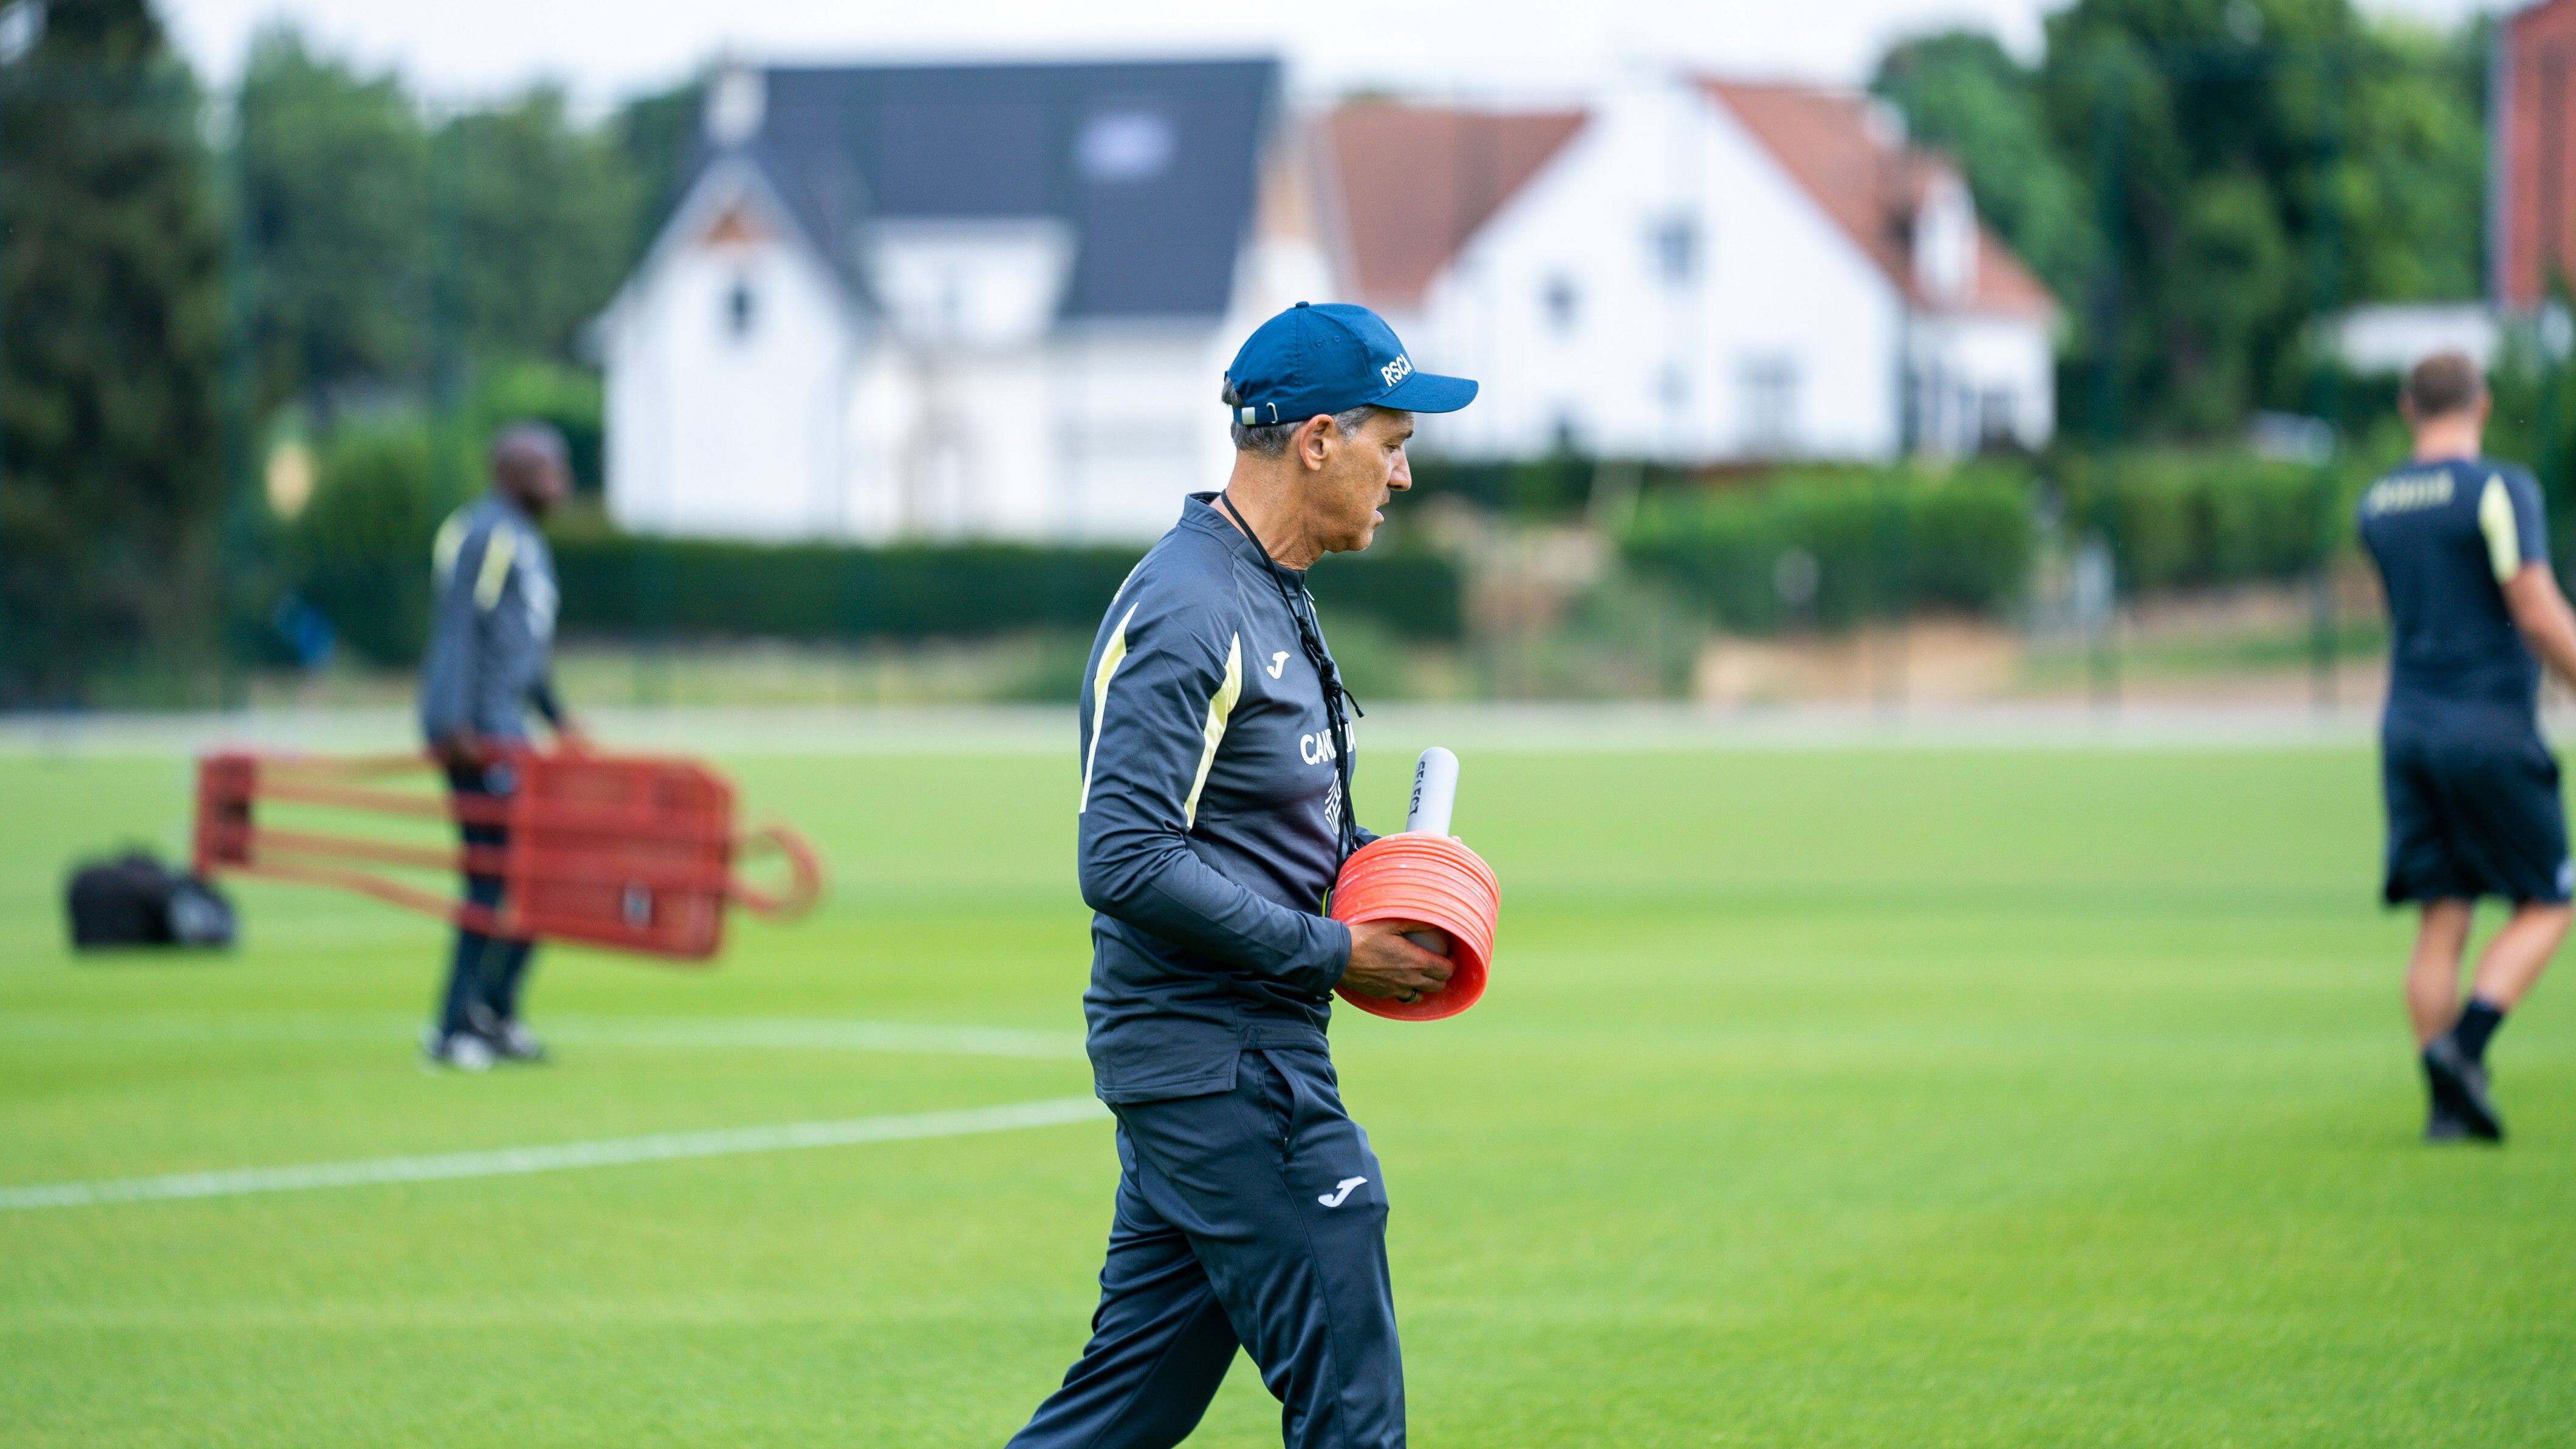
column 1310, row 639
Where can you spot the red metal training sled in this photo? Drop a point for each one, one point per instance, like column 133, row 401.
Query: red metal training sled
column 633, row 852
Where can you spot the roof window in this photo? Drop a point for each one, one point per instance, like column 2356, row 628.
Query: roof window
column 1130, row 145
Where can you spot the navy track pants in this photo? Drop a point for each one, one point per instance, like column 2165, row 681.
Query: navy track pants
column 482, row 970
column 1252, row 1218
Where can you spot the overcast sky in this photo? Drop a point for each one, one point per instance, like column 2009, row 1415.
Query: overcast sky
column 604, row 49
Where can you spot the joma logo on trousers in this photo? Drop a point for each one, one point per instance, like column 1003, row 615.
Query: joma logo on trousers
column 1340, row 1191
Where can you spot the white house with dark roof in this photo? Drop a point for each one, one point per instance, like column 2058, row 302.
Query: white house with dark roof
column 952, row 301
column 1688, row 270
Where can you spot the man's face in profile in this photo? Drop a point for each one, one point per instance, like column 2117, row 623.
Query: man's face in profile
column 1361, row 471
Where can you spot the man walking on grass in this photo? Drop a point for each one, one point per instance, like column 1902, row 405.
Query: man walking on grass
column 491, row 635
column 2471, row 788
column 1215, row 813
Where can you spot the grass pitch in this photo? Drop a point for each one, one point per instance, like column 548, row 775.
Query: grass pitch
column 1831, row 1097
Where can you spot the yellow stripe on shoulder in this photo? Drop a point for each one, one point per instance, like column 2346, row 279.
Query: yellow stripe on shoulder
column 442, row 553
column 1110, row 659
column 1220, row 709
column 500, row 548
column 2495, row 520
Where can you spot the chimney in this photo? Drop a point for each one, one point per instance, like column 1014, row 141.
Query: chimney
column 736, row 99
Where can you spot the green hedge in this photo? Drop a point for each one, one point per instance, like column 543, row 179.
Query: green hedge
column 1882, row 544
column 359, row 556
column 619, row 584
column 1889, row 542
column 1412, row 592
column 359, row 552
column 2184, row 519
column 531, row 390
column 1556, row 486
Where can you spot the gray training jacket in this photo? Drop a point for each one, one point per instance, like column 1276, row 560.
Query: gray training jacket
column 491, row 624
column 1210, row 820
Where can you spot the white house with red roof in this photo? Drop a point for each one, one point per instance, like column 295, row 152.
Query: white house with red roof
column 1689, row 270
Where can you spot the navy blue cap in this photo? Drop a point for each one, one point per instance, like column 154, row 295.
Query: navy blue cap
column 1330, row 358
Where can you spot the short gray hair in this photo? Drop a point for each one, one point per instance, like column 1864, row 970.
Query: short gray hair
column 1270, row 440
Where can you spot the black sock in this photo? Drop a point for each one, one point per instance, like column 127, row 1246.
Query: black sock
column 2478, row 1021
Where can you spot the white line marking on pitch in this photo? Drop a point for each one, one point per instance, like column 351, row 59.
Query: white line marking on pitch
column 813, row 1033
column 826, row 1034
column 555, row 1157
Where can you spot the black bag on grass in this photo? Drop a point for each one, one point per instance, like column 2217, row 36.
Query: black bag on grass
column 135, row 900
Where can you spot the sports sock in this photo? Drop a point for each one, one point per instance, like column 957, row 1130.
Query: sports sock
column 2478, row 1021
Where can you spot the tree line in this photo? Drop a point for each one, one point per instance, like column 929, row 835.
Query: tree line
column 184, row 274
column 2198, row 179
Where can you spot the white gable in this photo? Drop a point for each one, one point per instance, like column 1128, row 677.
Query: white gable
column 724, row 357
column 749, row 397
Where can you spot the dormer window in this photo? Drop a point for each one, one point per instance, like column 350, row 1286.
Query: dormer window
column 1125, row 146
column 979, row 283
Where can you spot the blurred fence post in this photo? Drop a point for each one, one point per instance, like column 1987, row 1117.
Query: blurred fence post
column 446, row 347
column 238, row 546
column 2324, row 627
column 2327, row 395
column 2094, row 585
column 2096, row 582
column 7, row 672
column 651, row 582
column 1889, row 600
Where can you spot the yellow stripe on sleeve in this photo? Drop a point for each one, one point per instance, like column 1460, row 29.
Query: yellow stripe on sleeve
column 1110, row 659
column 2495, row 520
column 499, row 547
column 442, row 554
column 1220, row 709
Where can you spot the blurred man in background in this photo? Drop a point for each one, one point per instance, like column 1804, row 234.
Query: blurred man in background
column 2471, row 787
column 492, row 624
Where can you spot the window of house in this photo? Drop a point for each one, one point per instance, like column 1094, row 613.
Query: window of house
column 742, row 310
column 1673, row 243
column 1672, row 385
column 1561, row 301
column 1996, row 409
column 952, row 303
column 1769, row 387
column 1924, row 389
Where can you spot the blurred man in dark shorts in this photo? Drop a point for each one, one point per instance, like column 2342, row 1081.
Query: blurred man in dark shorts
column 2471, row 787
column 492, row 626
